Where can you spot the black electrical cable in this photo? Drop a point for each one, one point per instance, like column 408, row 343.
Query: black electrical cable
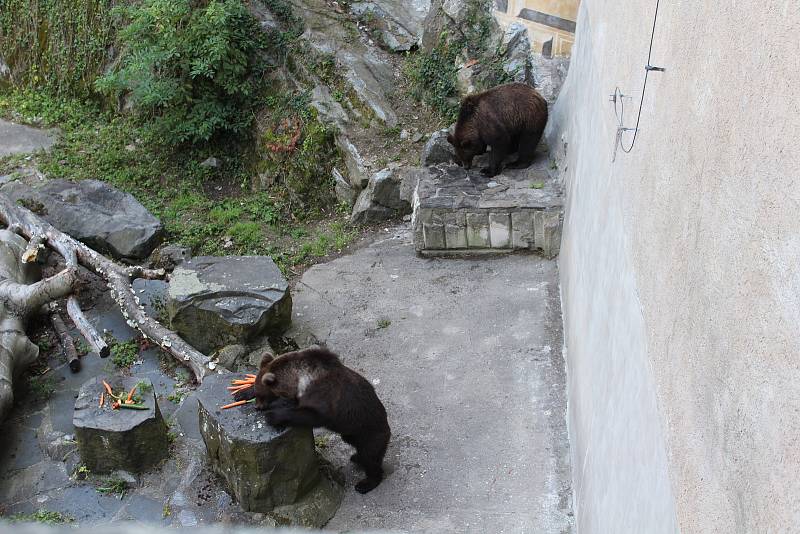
column 620, row 97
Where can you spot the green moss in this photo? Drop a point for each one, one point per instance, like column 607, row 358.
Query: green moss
column 59, row 46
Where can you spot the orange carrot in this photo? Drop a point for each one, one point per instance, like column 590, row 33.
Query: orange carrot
column 102, row 398
column 237, row 403
column 240, row 388
column 241, row 382
column 251, row 376
column 130, row 395
column 108, row 388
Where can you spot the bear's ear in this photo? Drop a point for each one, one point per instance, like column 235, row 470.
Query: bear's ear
column 266, row 359
column 451, row 139
column 268, row 378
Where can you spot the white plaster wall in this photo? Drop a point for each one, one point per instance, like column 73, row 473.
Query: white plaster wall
column 680, row 267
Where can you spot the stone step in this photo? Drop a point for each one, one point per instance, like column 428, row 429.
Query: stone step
column 459, row 212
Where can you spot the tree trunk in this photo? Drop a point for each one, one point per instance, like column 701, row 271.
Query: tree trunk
column 20, row 296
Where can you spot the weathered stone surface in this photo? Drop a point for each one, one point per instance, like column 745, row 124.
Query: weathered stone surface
column 382, row 198
column 343, row 188
column 437, row 150
column 356, row 169
column 170, row 256
column 232, row 356
column 500, row 230
column 516, row 51
column 20, row 139
column 398, row 22
column 264, row 468
column 133, row 440
column 522, row 234
column 478, row 230
column 217, row 301
column 91, row 211
column 548, row 75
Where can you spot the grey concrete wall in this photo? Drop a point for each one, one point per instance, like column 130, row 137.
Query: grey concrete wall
column 680, row 267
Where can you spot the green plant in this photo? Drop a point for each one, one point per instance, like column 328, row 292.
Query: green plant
column 176, row 396
column 58, row 46
column 113, row 486
column 434, row 73
column 82, row 346
column 42, row 388
column 384, row 323
column 537, row 185
column 144, row 387
column 190, row 70
column 42, row 516
column 124, row 354
column 166, row 511
column 81, row 472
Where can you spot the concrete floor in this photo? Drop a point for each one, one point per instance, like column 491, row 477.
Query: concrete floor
column 18, row 139
column 466, row 355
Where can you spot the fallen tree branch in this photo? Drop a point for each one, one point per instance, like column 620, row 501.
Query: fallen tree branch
column 89, row 333
column 67, row 343
column 119, row 281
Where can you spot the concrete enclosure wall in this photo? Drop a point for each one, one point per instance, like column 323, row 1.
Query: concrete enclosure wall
column 550, row 23
column 680, row 267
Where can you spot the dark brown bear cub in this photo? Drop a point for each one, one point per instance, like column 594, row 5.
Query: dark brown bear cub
column 509, row 118
column 312, row 388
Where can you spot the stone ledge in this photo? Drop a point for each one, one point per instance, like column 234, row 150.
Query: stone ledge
column 459, row 212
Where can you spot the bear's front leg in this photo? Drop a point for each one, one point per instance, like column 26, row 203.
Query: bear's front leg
column 293, row 416
column 498, row 154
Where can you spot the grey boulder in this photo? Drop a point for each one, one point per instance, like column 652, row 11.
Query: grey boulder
column 218, row 301
column 437, row 150
column 382, row 198
column 93, row 212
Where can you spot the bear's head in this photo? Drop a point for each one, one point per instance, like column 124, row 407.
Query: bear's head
column 267, row 386
column 466, row 147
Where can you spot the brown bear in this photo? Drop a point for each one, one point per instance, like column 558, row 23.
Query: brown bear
column 509, row 118
column 312, row 388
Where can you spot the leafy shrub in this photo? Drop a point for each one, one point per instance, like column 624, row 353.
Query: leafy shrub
column 189, row 69
column 124, row 354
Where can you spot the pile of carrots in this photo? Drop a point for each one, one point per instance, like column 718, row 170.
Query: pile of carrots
column 240, row 385
column 123, row 400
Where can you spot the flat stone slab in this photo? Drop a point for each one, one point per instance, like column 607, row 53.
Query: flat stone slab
column 219, row 301
column 264, row 468
column 457, row 211
column 20, row 139
column 131, row 440
column 93, row 212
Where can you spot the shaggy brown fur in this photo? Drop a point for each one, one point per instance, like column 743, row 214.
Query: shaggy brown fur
column 509, row 118
column 312, row 388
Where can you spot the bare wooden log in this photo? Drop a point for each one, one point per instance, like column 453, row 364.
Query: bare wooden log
column 89, row 333
column 119, row 281
column 67, row 343
column 25, row 299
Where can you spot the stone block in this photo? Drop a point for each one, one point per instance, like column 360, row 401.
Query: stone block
column 108, row 440
column 219, row 301
column 551, row 244
column 478, row 230
column 538, row 228
column 522, row 232
column 455, row 230
column 263, row 467
column 433, row 234
column 500, row 230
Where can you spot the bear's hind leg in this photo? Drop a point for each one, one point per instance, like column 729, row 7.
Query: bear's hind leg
column 371, row 450
column 496, row 157
column 527, row 150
